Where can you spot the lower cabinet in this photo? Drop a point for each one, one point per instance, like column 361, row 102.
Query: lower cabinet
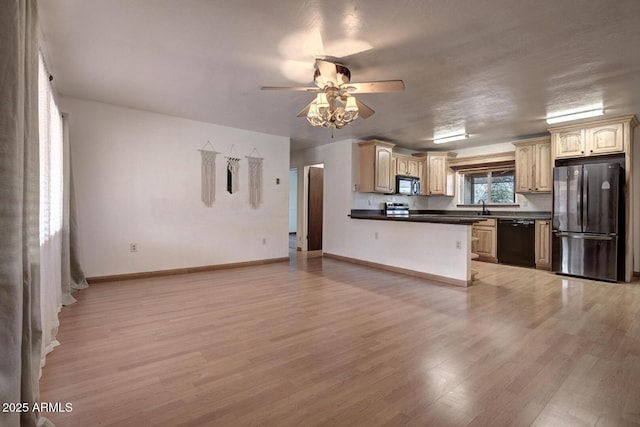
column 485, row 240
column 484, row 245
column 543, row 244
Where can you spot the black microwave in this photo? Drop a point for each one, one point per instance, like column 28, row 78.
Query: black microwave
column 407, row 185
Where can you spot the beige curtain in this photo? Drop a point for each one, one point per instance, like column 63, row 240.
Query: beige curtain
column 73, row 278
column 20, row 322
column 50, row 147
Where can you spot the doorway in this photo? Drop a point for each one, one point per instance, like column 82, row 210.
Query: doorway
column 315, row 191
column 293, row 210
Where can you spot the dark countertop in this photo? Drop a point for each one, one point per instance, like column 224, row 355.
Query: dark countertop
column 447, row 217
column 440, row 219
column 493, row 214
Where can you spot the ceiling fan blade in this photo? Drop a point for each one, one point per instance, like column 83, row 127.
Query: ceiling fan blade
column 305, row 110
column 328, row 71
column 294, row 88
column 375, row 87
column 363, row 110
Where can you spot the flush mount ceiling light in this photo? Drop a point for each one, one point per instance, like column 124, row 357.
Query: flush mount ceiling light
column 334, row 105
column 450, row 138
column 575, row 116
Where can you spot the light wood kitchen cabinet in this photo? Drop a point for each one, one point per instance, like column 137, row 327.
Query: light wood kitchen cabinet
column 570, row 143
column 533, row 166
column 407, row 165
column 605, row 139
column 413, row 168
column 485, row 242
column 400, row 163
column 588, row 140
column 543, row 244
column 437, row 178
column 377, row 174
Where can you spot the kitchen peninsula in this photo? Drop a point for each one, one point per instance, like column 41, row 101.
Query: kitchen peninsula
column 431, row 244
column 436, row 247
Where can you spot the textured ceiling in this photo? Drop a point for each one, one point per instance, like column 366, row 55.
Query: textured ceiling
column 493, row 68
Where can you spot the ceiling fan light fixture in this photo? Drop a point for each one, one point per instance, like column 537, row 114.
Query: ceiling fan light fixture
column 313, row 111
column 352, row 106
column 450, row 138
column 321, row 100
column 333, row 114
column 575, row 116
column 334, row 106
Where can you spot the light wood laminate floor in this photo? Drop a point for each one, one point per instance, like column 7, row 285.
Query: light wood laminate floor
column 321, row 342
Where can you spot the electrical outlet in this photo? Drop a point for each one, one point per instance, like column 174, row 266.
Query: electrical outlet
column 133, row 247
column 458, row 244
column 376, row 235
column 264, row 240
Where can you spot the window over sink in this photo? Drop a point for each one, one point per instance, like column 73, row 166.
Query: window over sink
column 493, row 186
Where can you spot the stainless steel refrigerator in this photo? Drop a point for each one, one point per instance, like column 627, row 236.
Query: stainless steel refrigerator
column 587, row 222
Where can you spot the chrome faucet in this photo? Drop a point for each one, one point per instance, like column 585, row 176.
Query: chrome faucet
column 485, row 211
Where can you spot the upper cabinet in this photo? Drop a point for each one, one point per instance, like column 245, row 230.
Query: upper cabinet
column 533, row 166
column 407, row 165
column 438, row 179
column 377, row 170
column 605, row 139
column 591, row 139
column 569, row 143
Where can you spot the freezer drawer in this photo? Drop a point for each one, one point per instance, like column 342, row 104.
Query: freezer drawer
column 586, row 255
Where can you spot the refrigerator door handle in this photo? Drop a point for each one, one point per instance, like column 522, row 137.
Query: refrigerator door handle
column 585, row 199
column 579, row 201
column 585, row 236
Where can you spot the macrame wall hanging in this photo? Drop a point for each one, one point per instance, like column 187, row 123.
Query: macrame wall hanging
column 255, row 180
column 208, row 172
column 233, row 172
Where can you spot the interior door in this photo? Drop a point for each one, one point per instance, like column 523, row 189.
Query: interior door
column 314, row 235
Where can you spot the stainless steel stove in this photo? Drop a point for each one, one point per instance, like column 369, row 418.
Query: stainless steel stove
column 393, row 209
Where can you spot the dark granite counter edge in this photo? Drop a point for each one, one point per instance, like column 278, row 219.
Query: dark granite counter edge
column 432, row 219
column 466, row 214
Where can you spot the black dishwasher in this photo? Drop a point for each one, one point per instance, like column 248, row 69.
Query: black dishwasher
column 516, row 242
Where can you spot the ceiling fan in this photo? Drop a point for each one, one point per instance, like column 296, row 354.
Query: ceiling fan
column 334, row 105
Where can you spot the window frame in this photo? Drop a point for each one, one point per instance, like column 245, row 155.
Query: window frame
column 489, row 172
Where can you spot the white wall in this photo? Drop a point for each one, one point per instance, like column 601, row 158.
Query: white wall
column 137, row 177
column 337, row 182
